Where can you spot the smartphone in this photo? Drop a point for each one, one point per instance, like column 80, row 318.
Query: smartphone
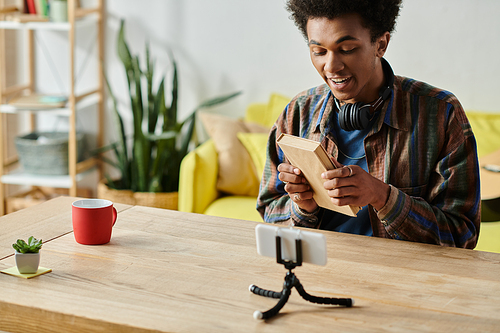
column 313, row 243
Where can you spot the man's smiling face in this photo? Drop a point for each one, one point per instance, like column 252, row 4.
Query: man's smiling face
column 342, row 52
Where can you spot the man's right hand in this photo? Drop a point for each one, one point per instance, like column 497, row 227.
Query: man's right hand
column 297, row 187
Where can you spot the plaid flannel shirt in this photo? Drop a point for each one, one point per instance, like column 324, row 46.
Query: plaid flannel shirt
column 422, row 146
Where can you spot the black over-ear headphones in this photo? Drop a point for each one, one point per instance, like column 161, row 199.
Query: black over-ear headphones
column 357, row 116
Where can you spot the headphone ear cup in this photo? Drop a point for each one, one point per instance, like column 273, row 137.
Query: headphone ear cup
column 354, row 116
column 348, row 117
column 345, row 116
column 362, row 116
column 354, row 125
column 342, row 117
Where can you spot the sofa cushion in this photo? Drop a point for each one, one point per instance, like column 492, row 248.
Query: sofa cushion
column 486, row 128
column 266, row 114
column 236, row 170
column 255, row 144
column 489, row 237
column 236, row 207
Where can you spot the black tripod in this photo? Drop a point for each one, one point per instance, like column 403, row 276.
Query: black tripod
column 292, row 281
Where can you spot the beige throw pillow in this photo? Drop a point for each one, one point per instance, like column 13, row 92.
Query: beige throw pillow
column 237, row 175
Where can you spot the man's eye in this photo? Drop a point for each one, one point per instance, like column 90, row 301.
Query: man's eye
column 318, row 52
column 348, row 51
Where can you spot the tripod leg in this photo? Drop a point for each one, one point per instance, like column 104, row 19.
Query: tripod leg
column 348, row 302
column 263, row 292
column 285, row 294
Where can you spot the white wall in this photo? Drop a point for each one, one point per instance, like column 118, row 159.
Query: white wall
column 455, row 46
column 228, row 45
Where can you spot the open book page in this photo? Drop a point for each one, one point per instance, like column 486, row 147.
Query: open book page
column 311, row 158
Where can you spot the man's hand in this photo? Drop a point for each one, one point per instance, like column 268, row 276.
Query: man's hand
column 297, row 188
column 351, row 185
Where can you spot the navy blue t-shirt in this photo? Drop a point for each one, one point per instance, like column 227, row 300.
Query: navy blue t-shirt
column 351, row 152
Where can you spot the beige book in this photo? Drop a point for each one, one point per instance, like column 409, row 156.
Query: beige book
column 38, row 102
column 311, row 158
column 24, row 18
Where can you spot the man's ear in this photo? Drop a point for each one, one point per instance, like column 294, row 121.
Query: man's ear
column 382, row 44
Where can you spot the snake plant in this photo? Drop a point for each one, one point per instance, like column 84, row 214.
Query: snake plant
column 159, row 141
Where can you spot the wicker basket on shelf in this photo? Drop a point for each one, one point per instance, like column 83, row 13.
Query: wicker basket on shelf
column 46, row 153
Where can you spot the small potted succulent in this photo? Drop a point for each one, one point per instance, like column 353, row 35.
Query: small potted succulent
column 28, row 255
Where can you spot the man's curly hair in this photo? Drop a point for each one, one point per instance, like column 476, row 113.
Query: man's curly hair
column 378, row 16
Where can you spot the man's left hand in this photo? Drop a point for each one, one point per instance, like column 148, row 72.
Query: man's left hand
column 351, row 185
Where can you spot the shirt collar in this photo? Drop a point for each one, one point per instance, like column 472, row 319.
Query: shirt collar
column 388, row 115
column 392, row 112
column 324, row 113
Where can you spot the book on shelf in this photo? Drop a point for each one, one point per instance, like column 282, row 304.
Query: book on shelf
column 9, row 9
column 24, row 18
column 41, row 7
column 311, row 158
column 38, row 102
column 31, row 6
column 24, row 6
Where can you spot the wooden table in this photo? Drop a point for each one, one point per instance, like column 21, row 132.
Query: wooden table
column 180, row 272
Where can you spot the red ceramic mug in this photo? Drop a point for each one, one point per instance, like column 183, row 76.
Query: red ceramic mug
column 93, row 221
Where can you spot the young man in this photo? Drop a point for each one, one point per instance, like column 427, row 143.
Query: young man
column 404, row 150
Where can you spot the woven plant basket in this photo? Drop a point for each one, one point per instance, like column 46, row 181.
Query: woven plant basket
column 166, row 200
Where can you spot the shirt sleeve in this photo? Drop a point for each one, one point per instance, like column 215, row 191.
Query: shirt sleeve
column 273, row 202
column 449, row 213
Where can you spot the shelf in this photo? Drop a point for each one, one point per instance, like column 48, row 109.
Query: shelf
column 19, row 177
column 66, row 111
column 82, row 22
column 54, row 26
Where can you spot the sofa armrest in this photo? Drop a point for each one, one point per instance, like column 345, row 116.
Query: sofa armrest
column 198, row 179
column 486, row 128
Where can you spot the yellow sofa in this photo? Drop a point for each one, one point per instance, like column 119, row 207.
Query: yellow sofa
column 199, row 173
column 486, row 128
column 198, row 192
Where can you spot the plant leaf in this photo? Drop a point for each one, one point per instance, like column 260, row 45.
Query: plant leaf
column 123, row 154
column 162, row 136
column 155, row 159
column 122, row 47
column 170, row 118
column 187, row 137
column 158, row 107
column 217, row 100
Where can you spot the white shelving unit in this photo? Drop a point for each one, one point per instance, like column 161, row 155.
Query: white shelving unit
column 78, row 18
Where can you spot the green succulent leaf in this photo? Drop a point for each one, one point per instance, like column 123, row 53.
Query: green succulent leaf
column 33, row 246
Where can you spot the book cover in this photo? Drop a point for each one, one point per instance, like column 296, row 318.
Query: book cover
column 41, row 7
column 23, row 18
column 45, row 8
column 311, row 158
column 24, row 6
column 31, row 6
column 38, row 102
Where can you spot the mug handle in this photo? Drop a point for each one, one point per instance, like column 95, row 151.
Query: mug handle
column 115, row 215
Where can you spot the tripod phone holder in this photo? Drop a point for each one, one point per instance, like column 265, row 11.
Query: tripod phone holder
column 291, row 280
